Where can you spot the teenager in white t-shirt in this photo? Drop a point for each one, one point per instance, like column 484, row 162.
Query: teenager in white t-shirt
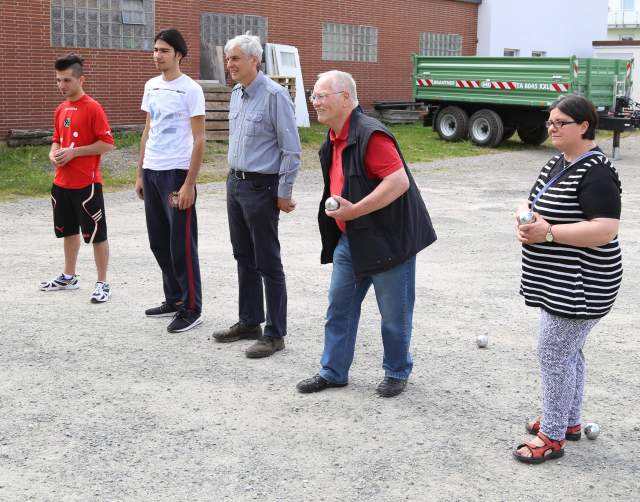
column 171, row 153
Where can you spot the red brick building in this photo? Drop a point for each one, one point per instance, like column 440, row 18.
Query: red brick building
column 116, row 36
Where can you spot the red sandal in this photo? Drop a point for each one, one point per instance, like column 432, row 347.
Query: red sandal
column 573, row 433
column 551, row 449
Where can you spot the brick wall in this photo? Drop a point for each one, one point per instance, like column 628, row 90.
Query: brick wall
column 116, row 77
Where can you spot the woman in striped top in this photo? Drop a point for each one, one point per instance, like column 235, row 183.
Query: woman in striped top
column 571, row 267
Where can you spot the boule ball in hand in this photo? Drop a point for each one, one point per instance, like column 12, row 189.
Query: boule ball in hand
column 482, row 341
column 526, row 217
column 592, row 430
column 331, row 204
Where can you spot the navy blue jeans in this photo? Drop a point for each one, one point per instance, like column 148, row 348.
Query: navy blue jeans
column 173, row 237
column 252, row 208
column 395, row 294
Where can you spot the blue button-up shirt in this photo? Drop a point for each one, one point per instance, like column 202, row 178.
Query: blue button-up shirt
column 263, row 137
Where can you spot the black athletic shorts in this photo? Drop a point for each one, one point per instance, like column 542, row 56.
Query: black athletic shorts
column 79, row 208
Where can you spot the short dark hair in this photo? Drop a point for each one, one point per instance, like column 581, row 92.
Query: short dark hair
column 579, row 109
column 72, row 61
column 174, row 38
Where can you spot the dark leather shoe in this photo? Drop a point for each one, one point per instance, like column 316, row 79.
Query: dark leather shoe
column 265, row 347
column 237, row 332
column 315, row 384
column 390, row 387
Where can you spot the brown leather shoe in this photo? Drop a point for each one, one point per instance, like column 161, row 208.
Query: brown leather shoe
column 265, row 347
column 237, row 332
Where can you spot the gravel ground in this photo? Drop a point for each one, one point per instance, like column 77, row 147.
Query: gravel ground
column 98, row 402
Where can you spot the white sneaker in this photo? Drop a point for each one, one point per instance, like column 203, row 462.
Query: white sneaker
column 102, row 293
column 60, row 283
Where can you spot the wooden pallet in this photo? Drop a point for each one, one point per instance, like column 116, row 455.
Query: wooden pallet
column 217, row 97
column 287, row 82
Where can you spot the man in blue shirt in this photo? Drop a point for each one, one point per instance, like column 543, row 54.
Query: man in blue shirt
column 264, row 158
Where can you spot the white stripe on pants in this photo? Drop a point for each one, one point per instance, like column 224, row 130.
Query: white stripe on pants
column 563, row 371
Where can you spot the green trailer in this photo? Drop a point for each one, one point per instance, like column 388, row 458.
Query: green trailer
column 488, row 99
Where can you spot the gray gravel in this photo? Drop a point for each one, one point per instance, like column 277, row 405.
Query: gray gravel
column 98, row 402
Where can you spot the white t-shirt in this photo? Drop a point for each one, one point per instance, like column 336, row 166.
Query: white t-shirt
column 170, row 105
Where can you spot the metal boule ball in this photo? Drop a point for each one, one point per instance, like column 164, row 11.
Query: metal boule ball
column 526, row 217
column 482, row 341
column 331, row 204
column 592, row 430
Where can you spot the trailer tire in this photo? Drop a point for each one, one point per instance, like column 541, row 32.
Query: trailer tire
column 451, row 123
column 535, row 135
column 508, row 133
column 486, row 128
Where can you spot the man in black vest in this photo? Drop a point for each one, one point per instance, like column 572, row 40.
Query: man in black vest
column 371, row 238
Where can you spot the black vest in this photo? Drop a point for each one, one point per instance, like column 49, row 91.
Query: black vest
column 384, row 238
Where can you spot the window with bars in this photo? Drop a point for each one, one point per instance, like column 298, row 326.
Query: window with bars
column 349, row 42
column 132, row 12
column 538, row 54
column 103, row 24
column 217, row 29
column 512, row 52
column 440, row 44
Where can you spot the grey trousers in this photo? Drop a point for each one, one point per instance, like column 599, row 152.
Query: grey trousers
column 563, row 371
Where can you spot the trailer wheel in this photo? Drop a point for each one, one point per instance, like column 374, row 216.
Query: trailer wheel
column 535, row 135
column 451, row 123
column 486, row 128
column 508, row 133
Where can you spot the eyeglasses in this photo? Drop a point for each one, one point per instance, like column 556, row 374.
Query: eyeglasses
column 558, row 124
column 324, row 95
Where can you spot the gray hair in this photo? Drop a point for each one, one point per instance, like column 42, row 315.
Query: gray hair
column 342, row 81
column 248, row 43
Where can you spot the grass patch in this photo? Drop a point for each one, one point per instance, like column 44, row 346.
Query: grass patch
column 418, row 143
column 26, row 171
column 422, row 144
column 312, row 137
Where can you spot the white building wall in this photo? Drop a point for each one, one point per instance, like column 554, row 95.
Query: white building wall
column 624, row 23
column 558, row 27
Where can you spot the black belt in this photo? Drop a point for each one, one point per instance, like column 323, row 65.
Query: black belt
column 247, row 175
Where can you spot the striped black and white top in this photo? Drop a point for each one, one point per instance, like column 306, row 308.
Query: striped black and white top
column 570, row 281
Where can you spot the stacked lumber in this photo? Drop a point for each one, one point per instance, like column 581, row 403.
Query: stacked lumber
column 22, row 137
column 217, row 97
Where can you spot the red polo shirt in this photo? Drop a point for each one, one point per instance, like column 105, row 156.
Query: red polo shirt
column 80, row 123
column 380, row 160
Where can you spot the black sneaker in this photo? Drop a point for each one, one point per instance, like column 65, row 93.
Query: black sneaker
column 315, row 384
column 164, row 310
column 390, row 386
column 184, row 320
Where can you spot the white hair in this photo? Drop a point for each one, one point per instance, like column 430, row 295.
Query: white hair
column 342, row 81
column 248, row 43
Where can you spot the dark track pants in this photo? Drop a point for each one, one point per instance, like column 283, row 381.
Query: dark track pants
column 173, row 237
column 253, row 226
